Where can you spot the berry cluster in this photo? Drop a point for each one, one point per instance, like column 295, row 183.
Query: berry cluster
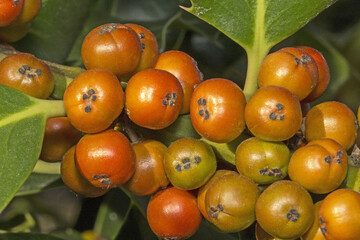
column 16, row 17
column 290, row 152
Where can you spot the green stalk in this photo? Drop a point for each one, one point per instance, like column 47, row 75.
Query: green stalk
column 257, row 52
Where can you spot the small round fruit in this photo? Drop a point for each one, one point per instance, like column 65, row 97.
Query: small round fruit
column 285, row 210
column 93, row 100
column 189, row 163
column 105, row 159
column 324, row 74
column 339, row 215
column 9, row 11
column 273, row 113
column 230, row 202
column 172, row 213
column 217, row 110
column 263, row 162
column 185, row 69
column 115, row 47
column 153, row 98
column 59, row 136
column 291, row 68
column 14, row 32
column 29, row 11
column 331, row 120
column 149, row 173
column 74, row 180
column 150, row 49
column 320, row 166
column 202, row 191
column 28, row 74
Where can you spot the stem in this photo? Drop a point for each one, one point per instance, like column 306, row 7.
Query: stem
column 54, row 108
column 257, row 52
column 47, row 168
column 255, row 59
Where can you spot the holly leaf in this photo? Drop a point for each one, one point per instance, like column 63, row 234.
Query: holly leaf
column 257, row 25
column 22, row 126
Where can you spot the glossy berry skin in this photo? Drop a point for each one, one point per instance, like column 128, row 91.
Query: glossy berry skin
column 9, row 11
column 185, row 69
column 59, row 136
column 230, row 202
column 149, row 45
column 320, row 166
column 217, row 110
column 93, row 100
column 153, row 98
column 291, row 68
column 339, row 215
column 74, row 180
column 149, row 173
column 331, row 120
column 285, row 210
column 30, row 10
column 105, row 159
column 273, row 113
column 112, row 46
column 28, row 74
column 263, row 162
column 189, row 163
column 202, row 191
column 172, row 213
column 324, row 74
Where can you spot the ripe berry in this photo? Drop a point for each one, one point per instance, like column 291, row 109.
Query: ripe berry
column 273, row 113
column 105, row 159
column 9, row 11
column 172, row 213
column 153, row 98
column 93, row 100
column 291, row 68
column 331, row 120
column 218, row 115
column 115, row 47
column 28, row 74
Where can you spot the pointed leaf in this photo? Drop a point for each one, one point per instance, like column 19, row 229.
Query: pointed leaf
column 251, row 22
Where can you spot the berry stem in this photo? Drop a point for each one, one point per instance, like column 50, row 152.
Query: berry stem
column 255, row 57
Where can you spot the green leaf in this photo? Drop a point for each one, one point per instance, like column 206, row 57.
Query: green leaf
column 113, row 214
column 257, row 25
column 38, row 182
column 27, row 236
column 54, row 30
column 22, row 124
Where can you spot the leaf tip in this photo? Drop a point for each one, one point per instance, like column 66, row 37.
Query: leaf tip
column 188, row 9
